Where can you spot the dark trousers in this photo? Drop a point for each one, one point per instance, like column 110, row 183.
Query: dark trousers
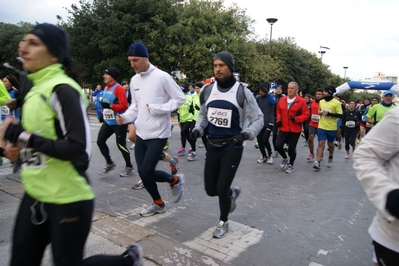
column 185, row 131
column 147, row 157
column 263, row 140
column 292, row 140
column 66, row 228
column 274, row 137
column 220, row 169
column 350, row 136
column 120, row 132
column 385, row 256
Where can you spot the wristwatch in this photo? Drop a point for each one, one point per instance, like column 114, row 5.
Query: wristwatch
column 23, row 139
column 246, row 135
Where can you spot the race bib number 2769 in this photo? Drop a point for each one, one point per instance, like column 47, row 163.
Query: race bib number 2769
column 219, row 117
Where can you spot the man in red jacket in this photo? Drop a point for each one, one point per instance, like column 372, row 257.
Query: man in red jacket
column 292, row 111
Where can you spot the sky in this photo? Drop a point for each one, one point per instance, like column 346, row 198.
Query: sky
column 361, row 34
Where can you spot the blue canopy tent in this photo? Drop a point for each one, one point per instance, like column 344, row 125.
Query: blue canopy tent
column 366, row 85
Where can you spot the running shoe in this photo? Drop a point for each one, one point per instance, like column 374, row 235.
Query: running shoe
column 336, row 143
column 138, row 185
column 221, row 229
column 270, row 160
column 262, row 160
column 329, row 162
column 178, row 188
column 347, row 156
column 166, row 147
column 339, row 145
column 135, row 251
column 107, row 168
column 181, row 151
column 133, row 145
column 275, row 154
column 256, row 145
column 201, row 145
column 316, row 165
column 174, row 167
column 290, row 169
column 235, row 193
column 128, row 171
column 192, row 156
column 283, row 164
column 153, row 209
column 286, row 147
column 310, row 157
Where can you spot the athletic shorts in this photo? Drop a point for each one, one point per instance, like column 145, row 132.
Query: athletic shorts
column 312, row 130
column 363, row 124
column 339, row 122
column 328, row 135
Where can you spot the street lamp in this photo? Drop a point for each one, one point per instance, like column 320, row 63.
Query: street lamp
column 345, row 67
column 321, row 55
column 322, row 52
column 271, row 22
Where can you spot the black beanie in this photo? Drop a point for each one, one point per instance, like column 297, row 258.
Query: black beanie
column 137, row 49
column 113, row 72
column 330, row 90
column 227, row 58
column 55, row 39
column 263, row 87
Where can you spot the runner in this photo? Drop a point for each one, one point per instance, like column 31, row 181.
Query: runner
column 314, row 122
column 330, row 110
column 351, row 123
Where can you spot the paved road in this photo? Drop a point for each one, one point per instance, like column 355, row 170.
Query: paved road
column 307, row 218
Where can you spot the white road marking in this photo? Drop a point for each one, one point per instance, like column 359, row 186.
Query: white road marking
column 236, row 241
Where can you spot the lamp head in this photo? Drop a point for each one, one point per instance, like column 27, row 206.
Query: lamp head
column 271, row 20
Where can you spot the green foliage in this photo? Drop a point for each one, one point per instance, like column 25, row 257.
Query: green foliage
column 181, row 35
column 10, row 35
column 359, row 95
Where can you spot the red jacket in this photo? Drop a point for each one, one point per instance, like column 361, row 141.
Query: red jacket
column 298, row 109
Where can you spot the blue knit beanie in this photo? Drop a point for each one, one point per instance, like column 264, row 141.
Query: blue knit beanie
column 138, row 49
column 55, row 39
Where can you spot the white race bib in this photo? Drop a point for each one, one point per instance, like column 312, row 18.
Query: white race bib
column 350, row 124
column 220, row 117
column 108, row 114
column 31, row 159
column 315, row 118
column 5, row 110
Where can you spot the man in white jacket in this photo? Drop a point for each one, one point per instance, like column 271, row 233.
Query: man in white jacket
column 154, row 96
column 376, row 161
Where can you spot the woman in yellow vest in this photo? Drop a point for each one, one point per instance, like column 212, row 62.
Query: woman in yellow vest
column 55, row 146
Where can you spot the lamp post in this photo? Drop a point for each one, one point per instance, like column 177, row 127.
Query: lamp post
column 345, row 68
column 271, row 22
column 321, row 55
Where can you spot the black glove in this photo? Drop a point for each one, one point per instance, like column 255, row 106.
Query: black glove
column 197, row 107
column 12, row 132
column 292, row 118
column 278, row 124
column 106, row 105
column 239, row 139
column 392, row 204
column 194, row 135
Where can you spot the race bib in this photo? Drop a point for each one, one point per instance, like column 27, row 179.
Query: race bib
column 315, row 118
column 220, row 117
column 5, row 110
column 350, row 124
column 108, row 114
column 31, row 159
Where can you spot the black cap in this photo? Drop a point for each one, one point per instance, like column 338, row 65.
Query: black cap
column 227, row 58
column 113, row 72
column 330, row 89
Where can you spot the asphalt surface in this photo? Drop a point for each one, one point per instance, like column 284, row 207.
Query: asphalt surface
column 306, row 218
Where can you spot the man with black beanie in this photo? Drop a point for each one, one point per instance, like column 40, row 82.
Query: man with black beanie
column 231, row 114
column 329, row 110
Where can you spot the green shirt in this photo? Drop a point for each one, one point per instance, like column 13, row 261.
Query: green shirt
column 378, row 111
column 329, row 122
